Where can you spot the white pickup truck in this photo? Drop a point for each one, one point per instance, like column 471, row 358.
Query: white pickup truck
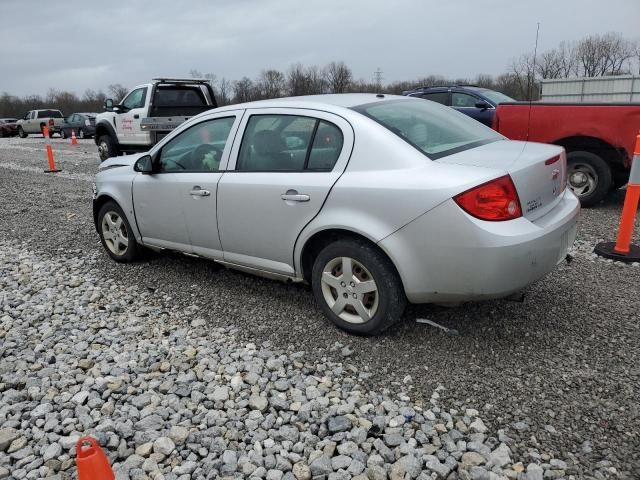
column 148, row 113
column 35, row 120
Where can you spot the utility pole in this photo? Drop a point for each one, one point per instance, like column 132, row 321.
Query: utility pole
column 377, row 75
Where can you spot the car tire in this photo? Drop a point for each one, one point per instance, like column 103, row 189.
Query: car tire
column 588, row 176
column 115, row 233
column 106, row 147
column 382, row 306
column 63, row 134
column 21, row 133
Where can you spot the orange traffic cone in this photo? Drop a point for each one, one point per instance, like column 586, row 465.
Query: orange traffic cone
column 622, row 249
column 52, row 164
column 91, row 461
column 74, row 140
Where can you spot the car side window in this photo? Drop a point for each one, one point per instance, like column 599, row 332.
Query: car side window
column 439, row 97
column 463, row 100
column 197, row 149
column 135, row 99
column 288, row 143
column 326, row 148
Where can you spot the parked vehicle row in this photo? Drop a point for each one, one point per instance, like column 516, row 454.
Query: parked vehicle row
column 599, row 140
column 372, row 199
column 82, row 124
column 476, row 102
column 35, row 121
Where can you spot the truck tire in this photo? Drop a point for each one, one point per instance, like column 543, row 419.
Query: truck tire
column 588, row 176
column 106, row 147
column 22, row 133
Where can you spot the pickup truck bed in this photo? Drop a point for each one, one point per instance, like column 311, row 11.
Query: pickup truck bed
column 599, row 139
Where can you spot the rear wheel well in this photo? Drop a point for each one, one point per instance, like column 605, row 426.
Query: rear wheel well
column 319, row 240
column 614, row 156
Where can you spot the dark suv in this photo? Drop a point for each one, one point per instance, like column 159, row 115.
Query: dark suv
column 477, row 102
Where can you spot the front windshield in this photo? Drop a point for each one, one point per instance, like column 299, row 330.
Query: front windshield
column 497, row 97
column 432, row 128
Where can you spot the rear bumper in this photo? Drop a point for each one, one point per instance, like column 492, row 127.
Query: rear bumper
column 449, row 256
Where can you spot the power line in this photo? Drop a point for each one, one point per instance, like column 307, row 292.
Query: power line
column 377, row 75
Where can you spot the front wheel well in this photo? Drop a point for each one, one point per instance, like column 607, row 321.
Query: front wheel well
column 98, row 203
column 319, row 240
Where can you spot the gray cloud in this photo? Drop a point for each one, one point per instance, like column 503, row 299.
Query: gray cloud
column 75, row 45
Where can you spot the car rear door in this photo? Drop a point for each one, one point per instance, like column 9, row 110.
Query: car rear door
column 282, row 167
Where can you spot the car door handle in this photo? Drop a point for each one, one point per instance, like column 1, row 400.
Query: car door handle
column 198, row 192
column 136, row 116
column 293, row 196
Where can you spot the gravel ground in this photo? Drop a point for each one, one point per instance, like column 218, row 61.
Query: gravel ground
column 555, row 377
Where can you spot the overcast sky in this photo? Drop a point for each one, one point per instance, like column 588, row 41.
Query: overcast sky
column 75, row 45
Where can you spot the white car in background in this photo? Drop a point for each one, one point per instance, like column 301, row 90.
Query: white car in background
column 372, row 199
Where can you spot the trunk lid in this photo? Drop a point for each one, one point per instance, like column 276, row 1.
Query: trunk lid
column 538, row 171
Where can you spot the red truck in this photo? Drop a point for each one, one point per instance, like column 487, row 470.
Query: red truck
column 599, row 139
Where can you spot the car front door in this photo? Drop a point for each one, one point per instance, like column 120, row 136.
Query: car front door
column 175, row 207
column 128, row 119
column 279, row 176
column 466, row 103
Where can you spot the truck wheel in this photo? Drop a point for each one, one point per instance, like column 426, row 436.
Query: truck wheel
column 63, row 134
column 589, row 177
column 21, row 133
column 106, row 147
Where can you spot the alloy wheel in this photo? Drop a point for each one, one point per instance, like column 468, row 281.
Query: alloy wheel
column 350, row 290
column 114, row 233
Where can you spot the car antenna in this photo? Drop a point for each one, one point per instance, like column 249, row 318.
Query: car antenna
column 532, row 79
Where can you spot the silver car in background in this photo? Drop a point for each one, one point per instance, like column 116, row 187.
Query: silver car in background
column 371, row 199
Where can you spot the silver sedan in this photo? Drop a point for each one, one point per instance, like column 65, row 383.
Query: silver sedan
column 373, row 200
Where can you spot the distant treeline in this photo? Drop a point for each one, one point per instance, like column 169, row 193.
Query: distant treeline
column 595, row 55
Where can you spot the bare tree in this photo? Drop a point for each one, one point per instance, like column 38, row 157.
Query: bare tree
column 338, row 76
column 224, row 92
column 550, row 64
column 117, row 92
column 271, row 84
column 297, row 81
column 317, row 82
column 568, row 58
column 243, row 90
column 524, row 75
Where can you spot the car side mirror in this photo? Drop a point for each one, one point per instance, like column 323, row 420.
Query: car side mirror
column 482, row 105
column 108, row 104
column 144, row 165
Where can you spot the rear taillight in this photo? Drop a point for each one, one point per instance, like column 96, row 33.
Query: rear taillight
column 51, row 122
column 494, row 201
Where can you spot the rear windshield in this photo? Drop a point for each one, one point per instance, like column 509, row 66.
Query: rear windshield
column 432, row 128
column 179, row 97
column 49, row 114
